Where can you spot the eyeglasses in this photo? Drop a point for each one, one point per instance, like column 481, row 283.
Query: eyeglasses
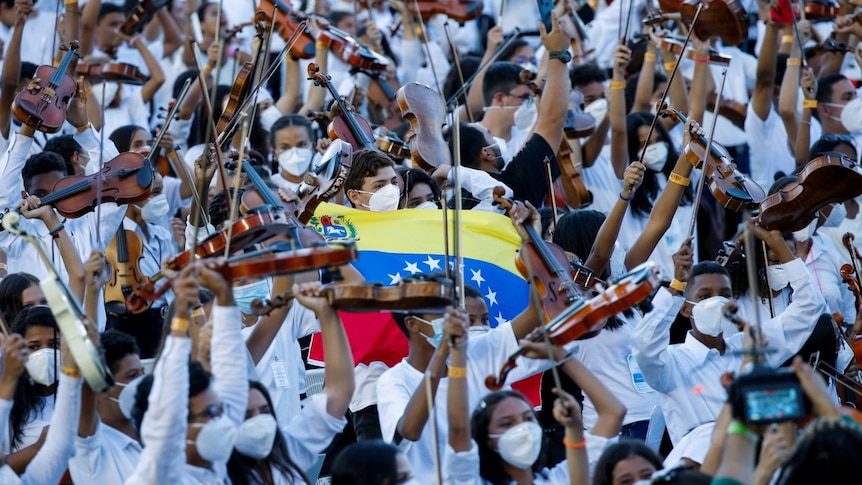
column 212, row 411
column 835, row 138
column 522, row 97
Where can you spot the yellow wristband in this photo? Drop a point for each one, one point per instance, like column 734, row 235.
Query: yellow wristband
column 71, row 2
column 677, row 285
column 618, row 84
column 457, row 372
column 85, row 128
column 679, row 179
column 321, row 45
column 207, row 70
column 668, row 66
column 809, row 103
column 787, row 39
column 72, row 372
column 180, row 324
column 649, row 57
column 794, row 61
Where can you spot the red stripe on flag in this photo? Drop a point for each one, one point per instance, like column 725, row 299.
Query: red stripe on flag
column 373, row 337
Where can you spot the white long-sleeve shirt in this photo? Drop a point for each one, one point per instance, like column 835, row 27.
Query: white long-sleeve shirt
column 688, row 375
column 108, row 456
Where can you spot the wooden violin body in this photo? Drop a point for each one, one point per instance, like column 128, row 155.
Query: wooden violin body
column 136, row 21
column 291, row 262
column 725, row 19
column 346, row 125
column 126, row 179
column 123, row 254
column 825, row 180
column 460, row 11
column 113, row 71
column 351, row 51
column 821, row 10
column 425, row 111
column 325, row 180
column 393, row 145
column 44, row 106
column 240, row 90
column 382, row 98
column 287, row 21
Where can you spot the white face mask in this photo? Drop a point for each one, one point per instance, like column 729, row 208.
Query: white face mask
column 427, row 205
column 709, row 316
column 806, row 232
column 526, row 115
column 296, row 160
column 243, row 296
column 845, row 355
column 110, row 91
column 777, row 277
column 41, row 366
column 126, row 400
column 655, row 156
column 215, row 440
column 256, row 436
column 597, row 109
column 384, row 200
column 478, row 330
column 851, row 116
column 437, row 325
column 520, row 445
column 155, row 209
column 837, row 216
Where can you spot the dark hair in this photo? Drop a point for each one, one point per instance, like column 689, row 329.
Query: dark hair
column 471, row 291
column 8, row 3
column 11, row 290
column 117, row 346
column 632, row 86
column 203, row 8
column 366, row 163
column 823, row 339
column 452, row 83
column 219, row 209
column 623, row 450
column 28, row 399
column 576, row 231
column 366, row 462
column 337, row 16
column 472, row 142
column 827, row 147
column 66, row 147
column 490, row 462
column 507, row 53
column 413, row 177
column 28, row 70
column 822, row 453
column 288, row 121
column 546, row 214
column 704, row 267
column 825, row 85
column 107, row 9
column 40, row 164
column 243, row 470
column 122, row 136
column 641, row 205
column 142, row 402
column 581, row 75
column 199, row 381
column 501, row 77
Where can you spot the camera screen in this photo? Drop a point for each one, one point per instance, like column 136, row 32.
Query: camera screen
column 773, row 404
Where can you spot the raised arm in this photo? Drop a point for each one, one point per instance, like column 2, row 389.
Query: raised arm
column 89, row 18
column 11, row 73
column 603, row 247
column 455, row 325
column 157, row 75
column 803, row 135
column 475, row 98
column 552, row 111
column 617, row 111
column 415, row 414
column 764, row 86
column 267, row 328
column 93, row 276
column 789, row 94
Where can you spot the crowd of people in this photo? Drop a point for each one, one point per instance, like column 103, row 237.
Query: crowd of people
column 592, row 118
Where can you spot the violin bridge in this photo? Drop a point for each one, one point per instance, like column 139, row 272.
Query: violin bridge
column 49, row 92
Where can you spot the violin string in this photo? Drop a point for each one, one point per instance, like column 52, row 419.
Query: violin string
column 829, row 371
column 663, row 99
column 797, row 34
column 707, row 151
column 235, row 184
column 425, row 41
column 457, row 62
column 551, row 194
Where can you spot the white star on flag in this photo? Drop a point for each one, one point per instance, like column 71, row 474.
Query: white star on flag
column 412, row 268
column 492, row 297
column 432, row 263
column 396, row 278
column 500, row 320
column 477, row 277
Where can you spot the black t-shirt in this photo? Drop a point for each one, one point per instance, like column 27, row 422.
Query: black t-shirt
column 526, row 173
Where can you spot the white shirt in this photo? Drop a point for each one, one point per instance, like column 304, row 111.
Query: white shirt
column 308, row 434
column 824, row 263
column 131, row 111
column 688, row 375
column 38, row 42
column 282, row 182
column 108, row 456
column 32, row 428
column 281, row 368
column 768, row 147
column 602, row 182
column 396, row 386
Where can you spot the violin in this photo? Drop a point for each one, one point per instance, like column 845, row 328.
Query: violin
column 350, row 50
column 254, row 228
column 831, row 46
column 126, row 179
column 43, row 107
column 123, row 254
column 725, row 19
column 825, row 180
column 586, row 317
column 112, row 71
column 136, row 21
column 414, row 295
column 391, row 144
column 325, row 180
column 287, row 21
column 460, row 11
column 347, row 125
column 239, row 91
column 847, row 271
column 674, row 45
column 583, row 276
column 821, row 10
column 729, row 252
column 425, row 111
column 382, row 98
column 71, row 318
column 731, row 188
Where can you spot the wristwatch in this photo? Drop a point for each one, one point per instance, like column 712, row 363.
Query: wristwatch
column 563, row 55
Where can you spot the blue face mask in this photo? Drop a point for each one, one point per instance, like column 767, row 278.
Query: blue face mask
column 244, row 295
column 437, row 325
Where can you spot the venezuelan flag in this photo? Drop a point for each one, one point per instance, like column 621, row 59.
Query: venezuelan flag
column 399, row 244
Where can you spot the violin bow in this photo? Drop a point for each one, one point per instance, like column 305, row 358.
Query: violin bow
column 798, row 35
column 217, row 71
column 237, row 175
column 457, row 62
column 425, row 41
column 750, row 266
column 452, row 102
column 768, row 287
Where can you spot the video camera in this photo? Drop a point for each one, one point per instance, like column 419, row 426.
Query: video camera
column 766, row 395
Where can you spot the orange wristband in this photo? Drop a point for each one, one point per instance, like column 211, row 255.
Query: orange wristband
column 457, row 372
column 574, row 446
column 794, row 61
column 618, row 84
